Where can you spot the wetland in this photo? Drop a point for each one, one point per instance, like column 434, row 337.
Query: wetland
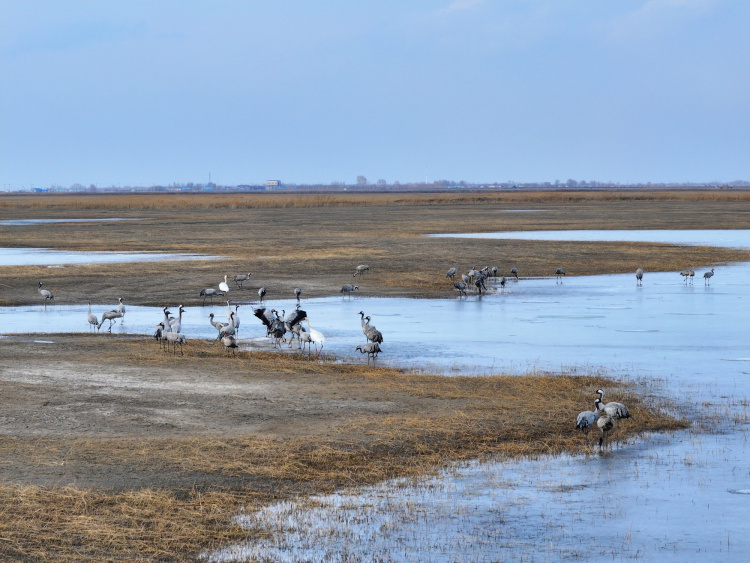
column 116, row 450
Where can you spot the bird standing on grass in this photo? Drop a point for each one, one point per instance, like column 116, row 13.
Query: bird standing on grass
column 239, row 278
column 452, row 273
column 224, row 286
column 615, row 410
column 348, row 289
column 261, row 294
column 45, row 293
column 297, row 293
column 360, row 270
column 587, row 418
column 210, row 292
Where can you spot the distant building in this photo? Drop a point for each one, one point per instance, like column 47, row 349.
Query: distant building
column 273, row 184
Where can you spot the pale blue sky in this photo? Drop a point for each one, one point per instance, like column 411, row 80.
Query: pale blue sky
column 155, row 92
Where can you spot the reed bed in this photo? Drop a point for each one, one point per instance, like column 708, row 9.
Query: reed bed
column 177, row 201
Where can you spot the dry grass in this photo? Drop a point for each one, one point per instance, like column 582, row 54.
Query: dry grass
column 223, row 200
column 442, row 420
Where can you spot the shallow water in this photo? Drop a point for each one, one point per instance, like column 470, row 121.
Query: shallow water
column 729, row 238
column 22, row 222
column 47, row 257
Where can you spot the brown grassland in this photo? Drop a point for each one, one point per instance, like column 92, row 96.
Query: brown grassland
column 113, row 450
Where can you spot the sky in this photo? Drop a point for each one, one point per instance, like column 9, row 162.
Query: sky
column 159, row 92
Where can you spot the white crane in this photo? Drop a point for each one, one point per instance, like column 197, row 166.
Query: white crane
column 316, row 337
column 93, row 321
column 615, row 410
column 639, row 276
column 586, row 419
column 46, row 294
column 707, row 277
column 224, row 286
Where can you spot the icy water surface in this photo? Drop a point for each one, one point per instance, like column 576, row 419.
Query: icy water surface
column 731, row 238
column 47, row 257
column 22, row 222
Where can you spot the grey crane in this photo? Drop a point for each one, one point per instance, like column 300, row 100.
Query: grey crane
column 230, row 343
column 639, row 276
column 261, row 293
column 371, row 333
column 93, row 321
column 348, row 289
column 707, row 277
column 293, row 324
column 121, row 306
column 45, row 293
column 297, row 293
column 687, row 274
column 586, row 419
column 494, row 271
column 216, row 324
column 210, row 292
column 559, row 273
column 175, row 325
column 502, row 284
column 240, row 278
column 461, row 288
column 110, row 316
column 360, row 270
column 174, row 339
column 615, row 410
column 605, row 423
column 452, row 273
column 372, row 349
column 265, row 316
column 514, row 272
column 465, row 279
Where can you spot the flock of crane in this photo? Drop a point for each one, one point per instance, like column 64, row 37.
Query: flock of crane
column 282, row 327
column 477, row 278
